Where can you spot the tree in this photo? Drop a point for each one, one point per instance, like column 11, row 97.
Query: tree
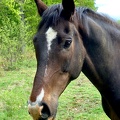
column 16, row 30
column 9, row 32
column 87, row 3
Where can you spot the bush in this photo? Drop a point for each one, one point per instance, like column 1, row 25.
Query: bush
column 15, row 34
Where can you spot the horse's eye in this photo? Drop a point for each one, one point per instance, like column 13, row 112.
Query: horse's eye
column 67, row 43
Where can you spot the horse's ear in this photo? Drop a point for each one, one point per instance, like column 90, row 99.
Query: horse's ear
column 41, row 6
column 68, row 8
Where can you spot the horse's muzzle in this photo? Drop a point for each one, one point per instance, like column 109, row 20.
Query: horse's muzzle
column 39, row 111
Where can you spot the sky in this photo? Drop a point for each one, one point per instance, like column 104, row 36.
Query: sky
column 110, row 7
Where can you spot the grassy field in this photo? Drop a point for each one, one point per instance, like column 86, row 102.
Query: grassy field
column 80, row 101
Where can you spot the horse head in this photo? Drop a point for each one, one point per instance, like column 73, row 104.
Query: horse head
column 57, row 43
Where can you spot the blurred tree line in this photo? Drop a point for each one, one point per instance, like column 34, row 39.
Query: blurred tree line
column 18, row 23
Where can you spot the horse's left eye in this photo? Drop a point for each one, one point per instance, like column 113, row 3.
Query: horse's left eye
column 67, row 43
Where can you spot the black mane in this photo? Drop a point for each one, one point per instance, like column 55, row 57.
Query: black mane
column 82, row 11
column 52, row 16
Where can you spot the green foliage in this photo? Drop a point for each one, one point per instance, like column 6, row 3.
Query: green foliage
column 86, row 3
column 9, row 21
column 15, row 33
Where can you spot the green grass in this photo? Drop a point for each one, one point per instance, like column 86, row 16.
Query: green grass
column 80, row 100
column 15, row 89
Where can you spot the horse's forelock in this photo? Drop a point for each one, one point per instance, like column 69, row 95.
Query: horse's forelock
column 51, row 16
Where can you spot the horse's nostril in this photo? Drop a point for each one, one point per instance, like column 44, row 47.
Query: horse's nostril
column 39, row 111
column 45, row 111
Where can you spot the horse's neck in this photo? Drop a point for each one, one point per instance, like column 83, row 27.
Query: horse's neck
column 103, row 53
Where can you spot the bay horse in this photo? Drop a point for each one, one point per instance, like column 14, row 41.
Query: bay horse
column 70, row 40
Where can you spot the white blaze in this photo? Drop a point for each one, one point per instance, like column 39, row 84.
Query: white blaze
column 40, row 96
column 50, row 35
column 38, row 99
column 34, row 108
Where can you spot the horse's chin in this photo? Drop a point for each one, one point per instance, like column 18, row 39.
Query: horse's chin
column 50, row 118
column 43, row 118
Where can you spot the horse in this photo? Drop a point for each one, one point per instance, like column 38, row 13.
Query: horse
column 71, row 40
